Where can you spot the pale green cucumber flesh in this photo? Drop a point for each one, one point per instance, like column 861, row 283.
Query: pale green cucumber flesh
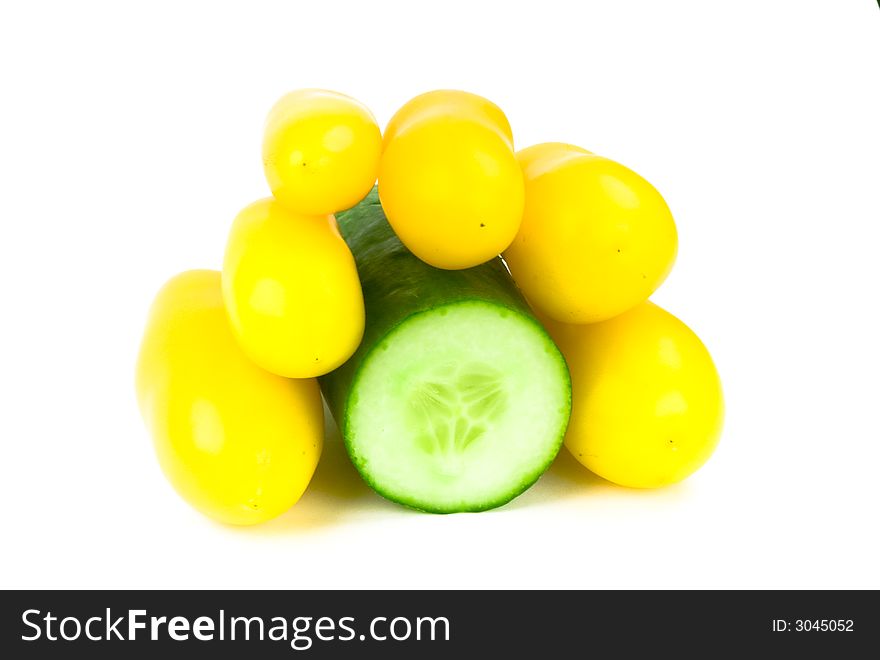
column 460, row 408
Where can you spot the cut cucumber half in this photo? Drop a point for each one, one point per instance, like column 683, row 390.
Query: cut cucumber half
column 457, row 399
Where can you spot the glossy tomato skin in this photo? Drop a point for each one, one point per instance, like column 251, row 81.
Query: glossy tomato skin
column 596, row 239
column 292, row 290
column 449, row 102
column 647, row 404
column 238, row 443
column 320, row 151
column 539, row 158
column 452, row 190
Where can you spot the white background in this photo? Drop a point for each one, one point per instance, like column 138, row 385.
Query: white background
column 130, row 138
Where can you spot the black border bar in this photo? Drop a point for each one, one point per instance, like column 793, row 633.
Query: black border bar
column 515, row 623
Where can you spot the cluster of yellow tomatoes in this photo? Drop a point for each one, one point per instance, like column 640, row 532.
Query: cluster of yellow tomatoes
column 586, row 239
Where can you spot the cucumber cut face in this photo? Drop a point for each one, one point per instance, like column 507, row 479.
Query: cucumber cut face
column 460, row 407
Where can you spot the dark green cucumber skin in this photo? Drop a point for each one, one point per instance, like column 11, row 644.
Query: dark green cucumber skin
column 398, row 285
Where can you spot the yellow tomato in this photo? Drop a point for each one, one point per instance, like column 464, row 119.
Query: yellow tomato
column 452, row 190
column 236, row 442
column 647, row 406
column 596, row 239
column 320, row 151
column 452, row 102
column 540, row 157
column 292, row 291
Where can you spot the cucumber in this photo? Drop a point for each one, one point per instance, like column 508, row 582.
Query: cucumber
column 457, row 399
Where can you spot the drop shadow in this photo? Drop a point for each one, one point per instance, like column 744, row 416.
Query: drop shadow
column 564, row 479
column 567, row 479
